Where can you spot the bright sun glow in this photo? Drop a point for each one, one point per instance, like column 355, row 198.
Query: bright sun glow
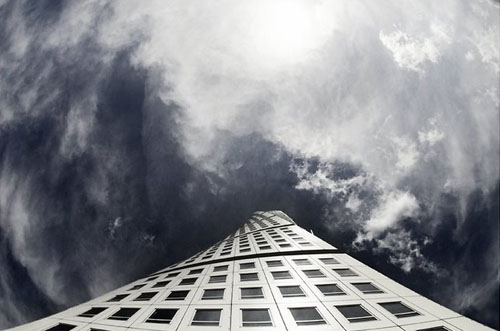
column 287, row 30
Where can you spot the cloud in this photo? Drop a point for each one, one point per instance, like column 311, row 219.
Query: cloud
column 159, row 116
column 412, row 53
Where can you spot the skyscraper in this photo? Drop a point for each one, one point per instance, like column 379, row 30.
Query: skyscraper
column 271, row 275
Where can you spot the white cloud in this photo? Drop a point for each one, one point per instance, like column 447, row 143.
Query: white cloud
column 392, row 208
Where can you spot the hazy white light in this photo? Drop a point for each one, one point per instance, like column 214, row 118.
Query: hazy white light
column 286, row 30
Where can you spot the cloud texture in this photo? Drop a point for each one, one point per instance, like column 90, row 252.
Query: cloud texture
column 123, row 125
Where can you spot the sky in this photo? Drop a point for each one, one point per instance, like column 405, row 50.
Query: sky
column 134, row 134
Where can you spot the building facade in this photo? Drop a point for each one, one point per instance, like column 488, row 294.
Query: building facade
column 271, row 275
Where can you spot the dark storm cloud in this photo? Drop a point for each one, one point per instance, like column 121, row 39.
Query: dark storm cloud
column 125, row 128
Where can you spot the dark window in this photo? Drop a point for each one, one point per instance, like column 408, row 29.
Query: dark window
column 291, row 291
column 252, row 293
column 329, row 260
column 217, row 279
column 136, row 287
column 162, row 315
column 196, row 271
column 248, row 265
column 256, row 317
column 355, row 313
column 249, row 277
column 244, row 250
column 285, row 245
column 118, row 297
column 173, row 274
column 62, row 327
column 93, row 311
column 330, row 289
column 281, row 275
column 345, row 272
column 207, row 317
column 151, row 278
column 302, row 261
column 274, row 263
column 188, row 281
column 213, row 294
column 123, row 314
column 146, row 296
column 367, row 288
column 435, row 328
column 398, row 309
column 307, row 316
column 162, row 283
column 315, row 273
column 220, row 268
column 265, row 247
column 177, row 295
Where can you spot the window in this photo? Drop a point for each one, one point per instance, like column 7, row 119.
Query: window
column 213, row 294
column 209, row 317
column 307, row 316
column 345, row 272
column 188, row 281
column 217, row 279
column 252, row 293
column 162, row 315
column 330, row 289
column 244, row 250
column 281, row 275
column 291, row 291
column 173, row 274
column 195, row 271
column 136, row 287
column 435, row 328
column 355, row 313
column 123, row 314
column 367, row 288
column 248, row 265
column 249, row 277
column 146, row 296
column 302, row 261
column 62, row 327
column 151, row 278
column 118, row 297
column 398, row 309
column 161, row 284
column 265, row 247
column 314, row 273
column 93, row 311
column 177, row 295
column 305, row 244
column 220, row 268
column 285, row 245
column 329, row 260
column 256, row 317
column 274, row 263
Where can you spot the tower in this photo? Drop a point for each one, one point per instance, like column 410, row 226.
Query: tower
column 270, row 274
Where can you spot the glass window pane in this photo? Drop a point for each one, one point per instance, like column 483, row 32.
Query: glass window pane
column 367, row 288
column 330, row 289
column 207, row 317
column 213, row 294
column 177, row 295
column 162, row 315
column 345, row 272
column 399, row 309
column 355, row 313
column 62, row 327
column 123, row 314
column 307, row 316
column 252, row 293
column 291, row 291
column 92, row 312
column 256, row 317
